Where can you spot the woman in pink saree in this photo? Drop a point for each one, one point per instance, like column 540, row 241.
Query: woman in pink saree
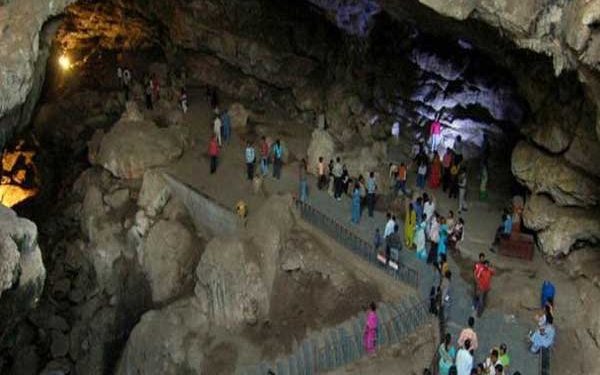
column 370, row 334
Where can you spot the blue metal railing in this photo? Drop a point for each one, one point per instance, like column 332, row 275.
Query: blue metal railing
column 357, row 245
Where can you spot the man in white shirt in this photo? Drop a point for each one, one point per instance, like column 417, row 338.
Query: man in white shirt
column 464, row 360
column 217, row 128
column 389, row 226
column 490, row 363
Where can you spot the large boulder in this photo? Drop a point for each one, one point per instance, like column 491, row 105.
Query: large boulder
column 543, row 173
column 169, row 256
column 22, row 272
column 154, row 194
column 134, row 145
column 321, row 145
column 559, row 228
column 231, row 281
column 168, row 341
column 584, row 151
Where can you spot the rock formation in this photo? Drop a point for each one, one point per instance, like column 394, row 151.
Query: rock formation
column 134, row 145
column 22, row 273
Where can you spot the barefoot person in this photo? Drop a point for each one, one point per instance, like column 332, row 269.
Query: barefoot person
column 370, row 332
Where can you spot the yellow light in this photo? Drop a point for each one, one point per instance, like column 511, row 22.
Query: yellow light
column 64, row 62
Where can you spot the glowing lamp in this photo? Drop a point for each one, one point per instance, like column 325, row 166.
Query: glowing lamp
column 64, row 62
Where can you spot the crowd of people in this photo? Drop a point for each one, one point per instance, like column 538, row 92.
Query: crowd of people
column 425, row 230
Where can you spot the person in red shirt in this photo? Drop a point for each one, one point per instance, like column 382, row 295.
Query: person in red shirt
column 483, row 276
column 213, row 153
column 264, row 156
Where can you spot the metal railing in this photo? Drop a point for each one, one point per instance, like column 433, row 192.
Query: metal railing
column 357, row 245
column 338, row 346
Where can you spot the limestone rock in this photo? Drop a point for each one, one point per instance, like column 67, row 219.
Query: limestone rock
column 552, row 175
column 134, row 145
column 169, row 258
column 231, row 281
column 22, row 272
column 167, row 341
column 270, row 227
column 584, row 151
column 60, row 344
column 239, row 116
column 154, row 194
column 559, row 228
column 321, row 145
column 117, row 199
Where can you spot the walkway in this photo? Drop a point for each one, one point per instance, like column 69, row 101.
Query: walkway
column 492, row 328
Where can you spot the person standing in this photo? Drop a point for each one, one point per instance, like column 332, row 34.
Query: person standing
column 303, row 183
column 468, row 333
column 421, row 174
column 356, row 204
column 277, row 159
column 447, row 353
column 226, row 125
column 389, row 225
column 264, row 156
column 120, row 75
column 435, row 175
column 126, row 82
column 434, row 237
column 458, row 150
column 420, row 240
column 370, row 331
column 445, row 290
column 462, row 190
column 504, row 358
column 418, row 206
column 436, row 134
column 217, row 128
column 337, row 172
column 183, row 100
column 213, row 153
column 428, row 209
column 148, row 95
column 321, row 178
column 484, row 285
column 410, row 221
column 453, row 191
column 442, row 238
column 464, row 359
column 401, row 179
column 371, row 189
column 250, row 160
column 446, row 164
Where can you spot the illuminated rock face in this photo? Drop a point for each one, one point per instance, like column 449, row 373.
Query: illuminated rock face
column 19, row 176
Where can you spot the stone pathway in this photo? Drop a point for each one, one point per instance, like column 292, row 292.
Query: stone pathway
column 493, row 328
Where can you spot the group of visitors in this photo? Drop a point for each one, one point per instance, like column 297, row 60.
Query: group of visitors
column 337, row 180
column 124, row 77
column 459, row 359
column 271, row 153
column 448, row 172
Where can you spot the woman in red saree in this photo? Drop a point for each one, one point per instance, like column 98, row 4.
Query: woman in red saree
column 435, row 175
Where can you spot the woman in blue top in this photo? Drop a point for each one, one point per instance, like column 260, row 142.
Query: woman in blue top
column 447, row 354
column 443, row 237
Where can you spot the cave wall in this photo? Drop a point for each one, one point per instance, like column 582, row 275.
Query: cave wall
column 255, row 51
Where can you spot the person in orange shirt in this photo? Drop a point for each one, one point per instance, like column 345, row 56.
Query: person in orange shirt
column 213, row 152
column 401, row 179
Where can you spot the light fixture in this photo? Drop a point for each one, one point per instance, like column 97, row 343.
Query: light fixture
column 64, row 62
